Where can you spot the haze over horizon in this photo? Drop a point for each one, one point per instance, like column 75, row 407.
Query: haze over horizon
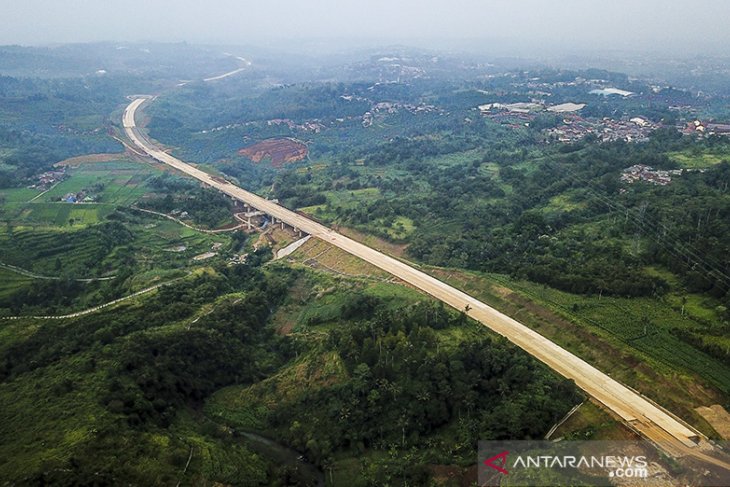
column 530, row 25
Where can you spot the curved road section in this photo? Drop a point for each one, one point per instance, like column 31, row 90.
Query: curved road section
column 654, row 423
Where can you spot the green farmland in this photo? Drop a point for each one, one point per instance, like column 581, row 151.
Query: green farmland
column 110, row 184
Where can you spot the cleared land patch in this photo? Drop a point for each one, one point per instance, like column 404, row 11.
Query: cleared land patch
column 718, row 418
column 88, row 159
column 280, row 151
column 323, row 256
column 696, row 160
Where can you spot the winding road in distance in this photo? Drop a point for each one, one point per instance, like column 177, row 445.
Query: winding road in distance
column 650, row 420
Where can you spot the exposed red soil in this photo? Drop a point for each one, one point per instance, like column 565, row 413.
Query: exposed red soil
column 280, row 151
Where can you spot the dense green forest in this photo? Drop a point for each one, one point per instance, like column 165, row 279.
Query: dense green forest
column 211, row 209
column 144, row 368
column 394, row 369
column 45, row 121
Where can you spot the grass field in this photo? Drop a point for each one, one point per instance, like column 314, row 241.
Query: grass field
column 65, row 214
column 123, row 182
column 55, row 238
column 628, row 338
column 246, row 406
column 641, row 323
column 454, row 159
column 398, row 228
column 696, row 160
column 490, row 169
column 590, row 422
column 112, row 184
column 59, row 239
column 353, row 198
column 347, row 199
column 11, row 281
column 17, row 195
column 314, row 306
column 154, row 237
column 563, row 202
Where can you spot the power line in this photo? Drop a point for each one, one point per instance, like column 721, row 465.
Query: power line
column 671, row 243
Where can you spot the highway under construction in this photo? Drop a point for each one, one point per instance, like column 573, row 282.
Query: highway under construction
column 650, row 420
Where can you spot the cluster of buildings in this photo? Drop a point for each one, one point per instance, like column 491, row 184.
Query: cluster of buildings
column 179, row 214
column 214, row 249
column 385, row 108
column 48, row 179
column 571, row 130
column 513, row 115
column 388, row 69
column 528, row 108
column 633, row 130
column 611, row 91
column 519, row 107
column 391, row 107
column 367, row 119
column 522, row 114
column 80, row 197
column 238, row 259
column 641, row 172
column 313, row 126
column 546, row 87
column 575, row 128
column 698, row 127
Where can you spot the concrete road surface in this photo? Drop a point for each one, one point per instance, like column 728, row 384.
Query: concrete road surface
column 652, row 421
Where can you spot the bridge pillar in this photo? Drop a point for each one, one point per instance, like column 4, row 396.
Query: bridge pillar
column 282, row 225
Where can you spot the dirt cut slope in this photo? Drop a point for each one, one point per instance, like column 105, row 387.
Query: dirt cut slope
column 280, row 151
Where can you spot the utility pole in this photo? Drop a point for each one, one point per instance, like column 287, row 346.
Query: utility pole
column 642, row 212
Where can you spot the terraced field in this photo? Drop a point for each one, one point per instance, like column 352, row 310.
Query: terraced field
column 642, row 323
column 11, row 281
column 39, row 251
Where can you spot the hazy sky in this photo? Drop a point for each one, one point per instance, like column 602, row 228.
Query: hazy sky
column 644, row 24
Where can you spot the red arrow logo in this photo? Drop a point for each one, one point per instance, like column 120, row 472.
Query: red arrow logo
column 489, row 462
